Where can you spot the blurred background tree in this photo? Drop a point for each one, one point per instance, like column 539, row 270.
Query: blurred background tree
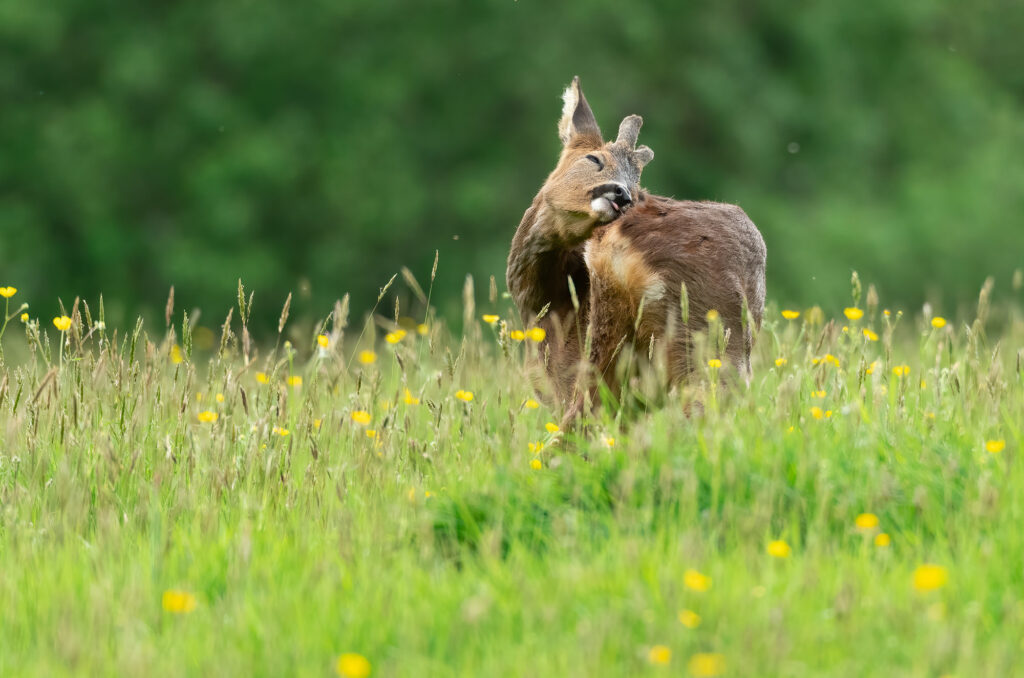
column 317, row 146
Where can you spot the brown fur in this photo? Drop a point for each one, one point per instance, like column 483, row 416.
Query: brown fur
column 620, row 264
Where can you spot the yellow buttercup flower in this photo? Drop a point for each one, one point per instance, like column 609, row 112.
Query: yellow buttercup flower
column 280, row 431
column 410, row 399
column 219, row 397
column 490, row 318
column 610, row 442
column 938, row 322
column 870, row 369
column 517, row 335
column 367, row 357
column 866, row 521
column 689, row 619
column 714, row 363
column 176, row 356
column 24, row 317
column 207, row 417
column 62, row 323
column 995, row 446
column 853, row 313
column 930, row 577
column 371, row 433
column 712, row 315
column 178, row 602
column 536, row 334
column 394, row 337
column 659, row 655
column 262, row 378
column 901, row 370
column 531, row 404
column 829, row 358
column 790, row 315
column 536, row 464
column 817, row 412
column 706, row 665
column 317, row 423
column 295, row 380
column 464, row 396
column 779, row 362
column 882, row 540
column 323, row 340
column 8, row 292
column 535, row 448
column 422, row 329
column 779, row 549
column 818, row 394
column 361, row 417
column 552, row 427
column 696, row 581
column 352, row 665
column 870, row 335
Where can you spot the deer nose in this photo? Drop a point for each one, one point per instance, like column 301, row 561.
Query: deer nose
column 614, row 192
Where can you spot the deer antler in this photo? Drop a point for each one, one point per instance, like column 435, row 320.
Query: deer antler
column 629, row 130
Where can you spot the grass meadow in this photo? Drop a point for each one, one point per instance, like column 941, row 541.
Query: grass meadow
column 387, row 498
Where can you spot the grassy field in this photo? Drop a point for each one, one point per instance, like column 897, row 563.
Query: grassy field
column 362, row 504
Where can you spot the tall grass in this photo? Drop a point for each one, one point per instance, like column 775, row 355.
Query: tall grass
column 171, row 510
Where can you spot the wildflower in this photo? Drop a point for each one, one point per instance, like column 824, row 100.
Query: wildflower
column 689, row 619
column 870, row 335
column 531, row 404
column 779, row 549
column 901, row 370
column 317, row 423
column 938, row 322
column 714, row 363
column 176, row 356
column 535, row 448
column 829, row 358
column 817, row 412
column 62, row 323
column 279, row 431
column 886, row 313
column 882, row 540
column 706, row 665
column 178, row 602
column 322, row 340
column 853, row 313
column 464, row 396
column 536, row 464
column 367, row 357
column 712, row 315
column 371, row 433
column 410, row 399
column 490, row 318
column 790, row 315
column 262, row 378
column 8, row 292
column 660, row 655
column 552, row 427
column 995, row 446
column 394, row 337
column 352, row 665
column 361, row 417
column 219, row 397
column 517, row 335
column 930, row 577
column 696, row 581
column 207, row 417
column 536, row 334
column 24, row 317
column 818, row 394
column 295, row 381
column 870, row 369
column 866, row 521
column 422, row 329
column 779, row 362
column 610, row 442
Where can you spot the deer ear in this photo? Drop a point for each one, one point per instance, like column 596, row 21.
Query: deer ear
column 577, row 118
column 643, row 155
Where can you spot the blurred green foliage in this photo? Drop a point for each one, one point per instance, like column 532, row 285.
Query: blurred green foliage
column 318, row 146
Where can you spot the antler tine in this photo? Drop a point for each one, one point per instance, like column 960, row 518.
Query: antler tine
column 629, row 130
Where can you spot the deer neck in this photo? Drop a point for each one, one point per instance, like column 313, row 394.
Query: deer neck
column 546, row 252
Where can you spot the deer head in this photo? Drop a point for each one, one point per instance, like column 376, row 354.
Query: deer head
column 594, row 181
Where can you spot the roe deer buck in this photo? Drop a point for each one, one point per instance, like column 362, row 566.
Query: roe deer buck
column 592, row 232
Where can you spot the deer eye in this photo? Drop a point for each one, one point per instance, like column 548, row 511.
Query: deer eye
column 596, row 160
